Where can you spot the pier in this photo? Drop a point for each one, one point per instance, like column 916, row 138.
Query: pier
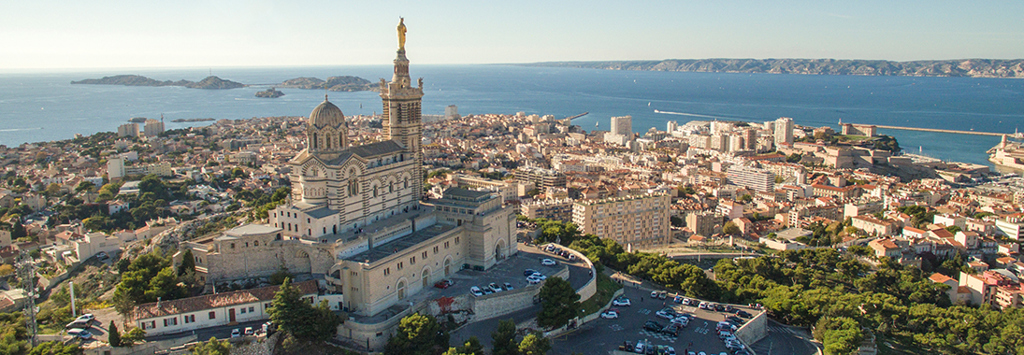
column 577, row 116
column 977, row 133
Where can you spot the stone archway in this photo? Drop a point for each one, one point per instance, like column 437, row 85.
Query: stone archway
column 401, row 290
column 499, row 250
column 447, row 266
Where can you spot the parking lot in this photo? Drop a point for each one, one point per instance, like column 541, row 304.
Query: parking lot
column 604, row 335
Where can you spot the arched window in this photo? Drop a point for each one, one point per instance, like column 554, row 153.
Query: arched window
column 401, row 290
column 374, row 191
column 405, row 184
column 328, row 146
column 341, row 141
column 314, row 140
column 391, row 187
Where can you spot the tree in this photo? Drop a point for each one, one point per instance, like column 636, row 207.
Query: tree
column 133, row 336
column 6, row 269
column 418, row 334
column 534, row 344
column 471, row 347
column 730, row 228
column 212, row 347
column 85, row 186
column 114, row 337
column 56, row 348
column 296, row 317
column 188, row 263
column 53, row 189
column 559, row 303
column 503, row 339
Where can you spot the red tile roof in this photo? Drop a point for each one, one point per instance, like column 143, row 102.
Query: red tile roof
column 224, row 299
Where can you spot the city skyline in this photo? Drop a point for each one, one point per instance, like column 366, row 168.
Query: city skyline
column 114, row 34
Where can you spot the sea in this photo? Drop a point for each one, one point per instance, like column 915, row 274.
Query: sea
column 45, row 106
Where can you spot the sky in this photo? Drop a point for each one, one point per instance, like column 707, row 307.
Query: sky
column 49, row 34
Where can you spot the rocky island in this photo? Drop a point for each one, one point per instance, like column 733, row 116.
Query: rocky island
column 270, row 93
column 334, row 83
column 975, row 68
column 210, row 82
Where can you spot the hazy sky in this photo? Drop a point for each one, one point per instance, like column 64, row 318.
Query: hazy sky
column 185, row 33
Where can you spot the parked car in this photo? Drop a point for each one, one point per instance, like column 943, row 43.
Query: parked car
column 507, row 286
column 719, row 307
column 682, row 321
column 88, row 317
column 703, row 305
column 540, row 276
column 621, row 302
column 610, row 314
column 677, row 299
column 235, row 333
column 80, row 333
column 78, row 325
column 529, row 272
column 548, row 262
column 627, row 346
column 735, row 320
column 444, row 283
column 549, row 247
column 653, row 326
column 654, row 294
column 672, row 329
column 744, row 314
column 476, row 291
column 687, row 302
column 662, row 295
column 666, row 313
column 249, row 331
column 494, row 287
column 664, row 350
column 572, row 257
column 533, row 280
column 488, row 291
column 640, row 347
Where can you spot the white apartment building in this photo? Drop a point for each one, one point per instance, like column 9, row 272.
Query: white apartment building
column 783, row 130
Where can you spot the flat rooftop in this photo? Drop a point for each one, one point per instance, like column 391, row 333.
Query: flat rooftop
column 396, row 246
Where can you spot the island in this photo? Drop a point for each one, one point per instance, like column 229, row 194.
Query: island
column 179, row 120
column 975, row 68
column 270, row 93
column 333, row 83
column 210, row 82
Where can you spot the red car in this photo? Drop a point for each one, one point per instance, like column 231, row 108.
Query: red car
column 444, row 283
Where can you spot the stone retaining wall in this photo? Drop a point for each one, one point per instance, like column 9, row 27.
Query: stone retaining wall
column 755, row 329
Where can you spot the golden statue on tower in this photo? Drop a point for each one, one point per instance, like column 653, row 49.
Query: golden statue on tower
column 401, row 33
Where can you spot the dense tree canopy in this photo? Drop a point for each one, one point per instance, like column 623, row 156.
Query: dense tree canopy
column 559, row 303
column 297, row 317
column 418, row 334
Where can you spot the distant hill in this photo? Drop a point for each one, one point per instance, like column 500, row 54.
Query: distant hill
column 334, row 83
column 210, row 82
column 976, row 68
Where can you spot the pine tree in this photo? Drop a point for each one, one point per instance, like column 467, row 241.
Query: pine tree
column 188, row 262
column 114, row 338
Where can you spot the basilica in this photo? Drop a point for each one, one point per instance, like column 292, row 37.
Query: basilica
column 357, row 220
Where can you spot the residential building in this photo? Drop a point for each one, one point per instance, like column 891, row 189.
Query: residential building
column 219, row 309
column 636, row 220
column 556, row 209
column 783, row 131
column 751, row 178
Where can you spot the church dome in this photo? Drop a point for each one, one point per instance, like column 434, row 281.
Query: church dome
column 326, row 115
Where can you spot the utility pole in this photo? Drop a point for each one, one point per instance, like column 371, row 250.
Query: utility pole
column 27, row 269
column 71, row 287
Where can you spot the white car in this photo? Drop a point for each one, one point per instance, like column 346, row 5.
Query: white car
column 654, row 294
column 494, row 287
column 533, row 280
column 88, row 317
column 236, row 333
column 548, row 262
column 621, row 302
column 476, row 291
column 610, row 314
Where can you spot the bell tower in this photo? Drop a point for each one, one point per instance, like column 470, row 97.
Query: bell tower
column 402, row 103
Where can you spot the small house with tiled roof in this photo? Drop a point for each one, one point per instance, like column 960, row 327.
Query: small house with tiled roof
column 226, row 308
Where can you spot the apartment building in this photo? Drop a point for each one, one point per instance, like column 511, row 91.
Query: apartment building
column 638, row 220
